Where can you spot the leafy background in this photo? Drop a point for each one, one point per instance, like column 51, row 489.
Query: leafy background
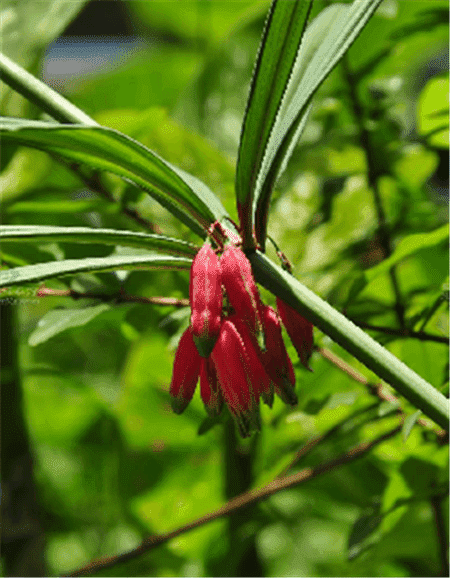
column 112, row 464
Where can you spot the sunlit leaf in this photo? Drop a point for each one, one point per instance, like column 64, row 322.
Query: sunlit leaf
column 34, row 233
column 407, row 247
column 41, row 271
column 281, row 38
column 325, row 43
column 58, row 320
column 106, row 149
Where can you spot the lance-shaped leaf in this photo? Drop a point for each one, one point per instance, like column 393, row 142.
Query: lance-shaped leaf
column 41, row 271
column 407, row 247
column 378, row 359
column 281, row 38
column 109, row 150
column 324, row 43
column 35, row 233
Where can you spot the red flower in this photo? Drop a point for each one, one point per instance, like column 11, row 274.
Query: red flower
column 276, row 359
column 299, row 329
column 237, row 378
column 242, row 292
column 205, row 296
column 186, row 371
column 261, row 378
column 210, row 387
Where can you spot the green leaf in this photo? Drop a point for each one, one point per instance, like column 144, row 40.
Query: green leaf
column 41, row 271
column 375, row 357
column 432, row 112
column 419, row 474
column 58, row 320
column 409, row 424
column 280, row 42
column 363, row 534
column 407, row 246
column 106, row 149
column 34, row 233
column 325, row 42
column 76, row 206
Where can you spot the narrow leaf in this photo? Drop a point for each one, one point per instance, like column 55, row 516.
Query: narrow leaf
column 409, row 424
column 58, row 320
column 281, row 38
column 106, row 149
column 325, row 42
column 34, row 233
column 41, row 271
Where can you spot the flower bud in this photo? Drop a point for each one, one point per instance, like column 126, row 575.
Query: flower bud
column 299, row 329
column 261, row 379
column 236, row 378
column 205, row 296
column 276, row 359
column 210, row 387
column 186, row 371
column 242, row 292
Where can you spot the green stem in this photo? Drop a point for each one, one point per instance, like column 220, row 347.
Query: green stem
column 23, row 539
column 242, row 556
column 378, row 359
column 42, row 95
column 441, row 532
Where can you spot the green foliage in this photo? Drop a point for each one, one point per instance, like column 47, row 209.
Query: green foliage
column 113, row 464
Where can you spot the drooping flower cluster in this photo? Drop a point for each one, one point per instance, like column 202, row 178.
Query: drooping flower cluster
column 237, row 350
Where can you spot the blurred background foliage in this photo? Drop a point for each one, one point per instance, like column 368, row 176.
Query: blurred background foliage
column 86, row 398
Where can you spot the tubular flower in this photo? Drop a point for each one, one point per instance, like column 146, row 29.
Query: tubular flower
column 210, row 387
column 242, row 292
column 299, row 329
column 236, row 377
column 186, row 371
column 261, row 379
column 205, row 296
column 276, row 359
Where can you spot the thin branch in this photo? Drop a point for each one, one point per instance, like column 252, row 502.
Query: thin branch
column 422, row 335
column 94, row 183
column 373, row 173
column 311, row 444
column 436, row 505
column 377, row 389
column 120, row 297
column 238, row 503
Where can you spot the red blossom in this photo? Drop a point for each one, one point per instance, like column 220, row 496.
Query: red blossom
column 242, row 292
column 299, row 329
column 261, row 379
column 210, row 388
column 205, row 296
column 236, row 378
column 186, row 371
column 276, row 359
